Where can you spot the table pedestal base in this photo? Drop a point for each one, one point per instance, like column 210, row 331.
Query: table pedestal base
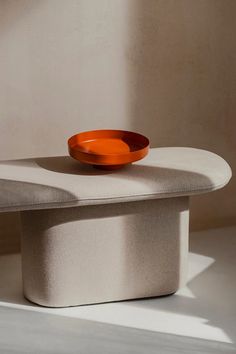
column 101, row 253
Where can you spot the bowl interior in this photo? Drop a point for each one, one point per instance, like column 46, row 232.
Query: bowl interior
column 108, row 142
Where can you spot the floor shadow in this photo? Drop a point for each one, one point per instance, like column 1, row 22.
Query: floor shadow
column 85, row 335
column 45, row 333
column 214, row 289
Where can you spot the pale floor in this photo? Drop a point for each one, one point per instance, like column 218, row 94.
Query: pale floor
column 201, row 318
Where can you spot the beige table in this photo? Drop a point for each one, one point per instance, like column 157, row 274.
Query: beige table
column 91, row 236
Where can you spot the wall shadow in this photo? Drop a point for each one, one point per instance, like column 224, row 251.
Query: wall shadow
column 12, row 12
column 180, row 92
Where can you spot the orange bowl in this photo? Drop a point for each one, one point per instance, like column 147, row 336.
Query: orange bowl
column 108, row 149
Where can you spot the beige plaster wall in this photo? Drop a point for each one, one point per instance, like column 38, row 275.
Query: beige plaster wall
column 166, row 68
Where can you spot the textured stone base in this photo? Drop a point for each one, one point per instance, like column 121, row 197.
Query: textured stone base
column 102, row 253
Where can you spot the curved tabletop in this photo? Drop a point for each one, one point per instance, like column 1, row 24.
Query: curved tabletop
column 55, row 182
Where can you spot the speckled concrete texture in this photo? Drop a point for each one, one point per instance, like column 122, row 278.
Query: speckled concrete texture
column 104, row 253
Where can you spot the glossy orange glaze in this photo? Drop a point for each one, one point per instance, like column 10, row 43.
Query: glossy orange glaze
column 109, row 149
